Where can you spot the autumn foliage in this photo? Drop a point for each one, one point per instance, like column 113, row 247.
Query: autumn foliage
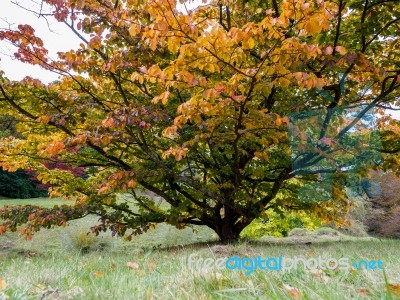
column 194, row 106
column 383, row 216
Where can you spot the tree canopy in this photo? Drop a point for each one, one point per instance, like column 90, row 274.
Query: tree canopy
column 203, row 108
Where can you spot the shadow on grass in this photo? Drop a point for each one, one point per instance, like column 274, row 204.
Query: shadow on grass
column 272, row 241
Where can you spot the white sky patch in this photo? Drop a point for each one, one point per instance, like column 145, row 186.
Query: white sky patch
column 59, row 39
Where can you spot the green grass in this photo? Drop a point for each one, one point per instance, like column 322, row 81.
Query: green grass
column 44, row 202
column 52, row 266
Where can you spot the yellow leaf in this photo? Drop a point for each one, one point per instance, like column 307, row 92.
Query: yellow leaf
column 394, row 289
column 153, row 44
column 275, row 58
column 140, row 79
column 173, row 45
column 134, row 29
column 250, row 43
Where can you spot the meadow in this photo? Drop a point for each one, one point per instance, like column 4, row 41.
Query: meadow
column 68, row 263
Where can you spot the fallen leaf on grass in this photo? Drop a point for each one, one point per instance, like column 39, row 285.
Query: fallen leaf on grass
column 311, row 252
column 363, row 293
column 394, row 288
column 98, row 274
column 3, row 284
column 112, row 267
column 132, row 265
column 292, row 291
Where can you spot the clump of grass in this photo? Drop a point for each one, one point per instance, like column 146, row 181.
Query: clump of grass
column 326, row 231
column 299, row 232
column 85, row 242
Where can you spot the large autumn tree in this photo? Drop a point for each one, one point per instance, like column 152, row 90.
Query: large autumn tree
column 194, row 106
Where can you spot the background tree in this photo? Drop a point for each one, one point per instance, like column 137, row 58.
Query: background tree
column 19, row 185
column 194, row 106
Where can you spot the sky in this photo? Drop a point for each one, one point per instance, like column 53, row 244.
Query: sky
column 60, row 38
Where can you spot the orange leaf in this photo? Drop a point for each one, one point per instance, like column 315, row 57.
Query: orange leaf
column 43, row 119
column 363, row 293
column 134, row 29
column 341, row 50
column 3, row 284
column 98, row 274
column 292, row 291
column 131, row 183
column 311, row 252
column 3, row 229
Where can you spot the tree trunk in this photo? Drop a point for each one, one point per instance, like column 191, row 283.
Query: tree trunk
column 227, row 226
column 227, row 231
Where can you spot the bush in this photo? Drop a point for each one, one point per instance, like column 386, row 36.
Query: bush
column 19, row 185
column 278, row 226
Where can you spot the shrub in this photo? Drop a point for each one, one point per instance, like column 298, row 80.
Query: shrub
column 278, row 225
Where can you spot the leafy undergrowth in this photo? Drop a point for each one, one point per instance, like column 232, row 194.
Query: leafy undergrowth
column 69, row 264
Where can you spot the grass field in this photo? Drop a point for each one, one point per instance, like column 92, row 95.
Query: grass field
column 68, row 264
